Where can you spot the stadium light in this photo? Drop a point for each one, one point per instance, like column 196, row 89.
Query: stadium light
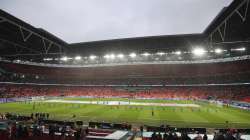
column 145, row 54
column 239, row 49
column 112, row 56
column 47, row 59
column 178, row 52
column 78, row 58
column 120, row 56
column 160, row 53
column 199, row 51
column 109, row 56
column 92, row 57
column 106, row 56
column 65, row 58
column 132, row 55
column 218, row 51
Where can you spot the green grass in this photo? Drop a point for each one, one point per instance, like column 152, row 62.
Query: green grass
column 208, row 115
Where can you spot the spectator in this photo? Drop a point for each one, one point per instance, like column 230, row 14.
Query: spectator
column 165, row 136
column 205, row 137
column 159, row 136
column 184, row 136
column 153, row 136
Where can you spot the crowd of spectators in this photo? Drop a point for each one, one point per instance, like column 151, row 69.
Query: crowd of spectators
column 32, row 128
column 13, row 127
column 224, row 93
column 27, row 91
column 218, row 74
column 183, row 80
column 170, row 133
column 173, row 136
column 228, row 135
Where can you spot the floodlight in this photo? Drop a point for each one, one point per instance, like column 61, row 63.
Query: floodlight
column 65, row 58
column 78, row 58
column 109, row 56
column 160, row 53
column 132, row 55
column 218, row 51
column 240, row 49
column 92, row 57
column 178, row 52
column 199, row 51
column 106, row 56
column 112, row 56
column 120, row 56
column 47, row 59
column 145, row 54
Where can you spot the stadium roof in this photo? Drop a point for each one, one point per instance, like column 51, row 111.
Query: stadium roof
column 20, row 40
column 93, row 20
column 139, row 44
column 234, row 19
column 230, row 28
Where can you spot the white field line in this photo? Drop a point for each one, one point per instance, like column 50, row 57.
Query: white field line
column 123, row 103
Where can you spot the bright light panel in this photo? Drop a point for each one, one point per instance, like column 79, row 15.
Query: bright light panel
column 218, row 51
column 109, row 56
column 145, row 54
column 120, row 56
column 65, row 58
column 92, row 57
column 112, row 56
column 132, row 55
column 78, row 58
column 160, row 53
column 47, row 59
column 240, row 49
column 178, row 52
column 199, row 51
column 106, row 56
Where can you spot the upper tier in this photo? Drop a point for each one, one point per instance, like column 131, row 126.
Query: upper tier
column 226, row 71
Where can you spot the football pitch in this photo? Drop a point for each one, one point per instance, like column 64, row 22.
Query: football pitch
column 136, row 111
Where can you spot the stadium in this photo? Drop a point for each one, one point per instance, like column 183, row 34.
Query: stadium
column 171, row 87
